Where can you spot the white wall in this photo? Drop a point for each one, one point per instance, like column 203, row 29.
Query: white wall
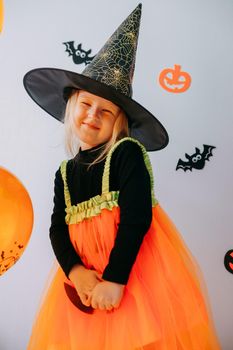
column 197, row 34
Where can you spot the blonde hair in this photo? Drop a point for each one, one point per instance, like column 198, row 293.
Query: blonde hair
column 120, row 129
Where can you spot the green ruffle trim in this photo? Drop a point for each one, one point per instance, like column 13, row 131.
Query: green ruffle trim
column 91, row 208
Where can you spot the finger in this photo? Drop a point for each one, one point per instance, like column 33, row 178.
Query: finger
column 116, row 304
column 84, row 299
column 99, row 276
column 88, row 300
column 108, row 307
column 94, row 303
column 105, row 304
column 101, row 306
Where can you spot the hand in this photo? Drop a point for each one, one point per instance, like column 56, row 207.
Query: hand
column 84, row 281
column 107, row 295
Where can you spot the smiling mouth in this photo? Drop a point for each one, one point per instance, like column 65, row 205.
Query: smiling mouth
column 91, row 126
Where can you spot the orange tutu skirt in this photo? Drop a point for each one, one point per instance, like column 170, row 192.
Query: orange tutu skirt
column 163, row 308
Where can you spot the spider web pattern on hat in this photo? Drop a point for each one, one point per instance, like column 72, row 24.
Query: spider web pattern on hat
column 114, row 64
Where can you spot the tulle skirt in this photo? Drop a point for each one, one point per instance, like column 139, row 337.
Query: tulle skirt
column 164, row 307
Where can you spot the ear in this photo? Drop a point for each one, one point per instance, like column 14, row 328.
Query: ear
column 88, row 52
column 79, row 46
column 197, row 150
column 187, row 156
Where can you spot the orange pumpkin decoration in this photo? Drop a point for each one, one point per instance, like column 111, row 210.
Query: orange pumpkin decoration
column 228, row 261
column 16, row 219
column 174, row 80
column 1, row 14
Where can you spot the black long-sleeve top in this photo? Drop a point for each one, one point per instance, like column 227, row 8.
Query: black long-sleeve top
column 129, row 176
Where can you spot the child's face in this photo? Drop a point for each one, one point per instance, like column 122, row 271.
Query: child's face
column 94, row 119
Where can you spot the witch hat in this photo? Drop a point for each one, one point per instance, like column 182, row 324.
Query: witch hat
column 109, row 75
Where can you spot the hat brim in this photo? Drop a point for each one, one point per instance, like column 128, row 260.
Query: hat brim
column 50, row 87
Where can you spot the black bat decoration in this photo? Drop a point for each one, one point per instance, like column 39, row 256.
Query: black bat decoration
column 196, row 160
column 79, row 55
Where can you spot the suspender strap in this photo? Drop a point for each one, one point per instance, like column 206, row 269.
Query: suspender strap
column 105, row 179
column 66, row 190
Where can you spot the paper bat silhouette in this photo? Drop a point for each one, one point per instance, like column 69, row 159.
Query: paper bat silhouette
column 79, row 55
column 196, row 160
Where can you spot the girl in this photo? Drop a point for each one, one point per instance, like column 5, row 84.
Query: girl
column 126, row 279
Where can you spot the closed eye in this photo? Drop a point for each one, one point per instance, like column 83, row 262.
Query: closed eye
column 85, row 103
column 107, row 111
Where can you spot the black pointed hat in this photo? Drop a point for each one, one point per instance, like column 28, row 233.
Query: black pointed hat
column 109, row 75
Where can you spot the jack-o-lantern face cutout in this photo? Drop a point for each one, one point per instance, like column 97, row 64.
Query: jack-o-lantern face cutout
column 228, row 261
column 174, row 80
column 1, row 15
column 16, row 219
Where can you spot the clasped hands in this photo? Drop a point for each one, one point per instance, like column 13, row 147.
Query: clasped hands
column 94, row 291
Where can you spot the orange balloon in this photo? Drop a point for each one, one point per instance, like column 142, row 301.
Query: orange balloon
column 16, row 219
column 1, row 14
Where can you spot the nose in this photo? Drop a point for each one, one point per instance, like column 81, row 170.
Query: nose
column 93, row 112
